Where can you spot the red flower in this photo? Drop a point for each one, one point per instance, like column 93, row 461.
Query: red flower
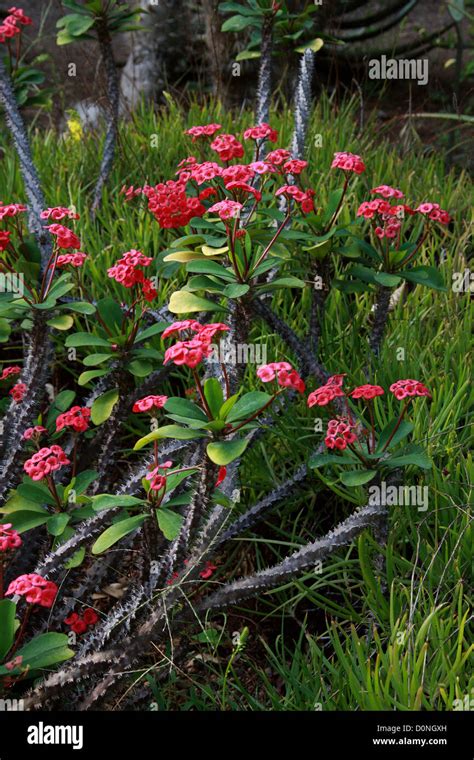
column 90, row 616
column 434, row 212
column 349, row 162
column 340, row 433
column 283, row 373
column 18, row 392
column 45, row 461
column 171, row 206
column 367, row 391
column 226, row 209
column 202, row 131
column 158, row 479
column 76, row 418
column 304, row 198
column 204, row 172
column 221, row 475
column 4, row 239
column 183, row 325
column 34, row 588
column 80, row 625
column 403, row 388
column 34, row 432
column 261, row 132
column 278, row 156
column 189, row 352
column 236, row 185
column 9, row 539
column 387, row 192
column 149, row 402
column 73, row 259
column 15, row 370
column 65, row 237
column 208, row 571
column 58, row 212
column 238, row 173
column 12, row 209
column 295, row 166
column 227, row 147
column 325, row 394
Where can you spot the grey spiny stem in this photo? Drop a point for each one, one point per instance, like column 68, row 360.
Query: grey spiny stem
column 113, row 92
column 302, row 108
column 264, row 86
column 301, row 560
column 36, row 202
column 382, row 307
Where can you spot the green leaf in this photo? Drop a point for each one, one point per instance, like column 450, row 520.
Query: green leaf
column 94, row 359
column 227, row 406
column 247, row 405
column 86, row 377
column 57, row 523
column 117, row 531
column 7, row 626
column 404, row 429
column 84, row 480
column 321, row 460
column 428, row 276
column 140, row 367
column 151, row 331
column 24, row 520
column 314, row 45
column 61, row 322
column 64, row 400
column 456, row 9
column 168, row 431
column 236, row 290
column 82, row 307
column 238, row 23
column 185, row 408
column 111, row 313
column 108, row 501
column 43, row 651
column 283, row 282
column 184, row 302
column 214, row 395
column 224, row 452
column 35, row 492
column 386, row 279
column 169, row 523
column 205, row 266
column 412, row 455
column 76, row 559
column 103, row 406
column 86, row 339
column 357, row 477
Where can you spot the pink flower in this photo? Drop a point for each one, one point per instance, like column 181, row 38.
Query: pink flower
column 325, row 394
column 8, row 371
column 157, row 479
column 205, row 172
column 403, row 388
column 238, row 173
column 340, row 433
column 261, row 167
column 278, row 157
column 434, row 212
column 295, row 166
column 387, row 192
column 227, row 147
column 348, row 162
column 130, row 192
column 12, row 209
column 73, row 259
column 76, row 418
column 189, row 353
column 245, row 188
column 15, row 663
column 261, row 132
column 226, row 209
column 45, row 461
column 202, row 131
column 9, row 539
column 149, row 402
column 59, row 212
column 64, row 236
column 184, row 325
column 367, row 391
column 18, row 392
column 304, row 198
column 34, row 432
column 283, row 373
column 34, row 588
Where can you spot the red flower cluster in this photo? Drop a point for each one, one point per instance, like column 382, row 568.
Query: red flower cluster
column 238, row 173
column 227, row 147
column 295, row 166
column 15, row 370
column 12, row 209
column 349, row 162
column 226, row 209
column 278, row 157
column 192, row 352
column 73, row 259
column 149, row 402
column 304, row 198
column 65, row 237
column 283, row 373
column 34, row 588
column 387, row 192
column 328, row 392
column 45, row 461
column 9, row 539
column 4, row 239
column 9, row 26
column 367, row 392
column 261, row 132
column 18, row 392
column 76, row 418
column 58, row 212
column 201, row 173
column 34, row 432
column 207, row 130
column 208, row 571
column 80, row 624
column 171, row 206
column 403, row 388
column 125, row 272
column 340, row 433
column 434, row 212
column 156, row 478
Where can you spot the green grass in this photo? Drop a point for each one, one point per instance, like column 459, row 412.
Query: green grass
column 330, row 640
